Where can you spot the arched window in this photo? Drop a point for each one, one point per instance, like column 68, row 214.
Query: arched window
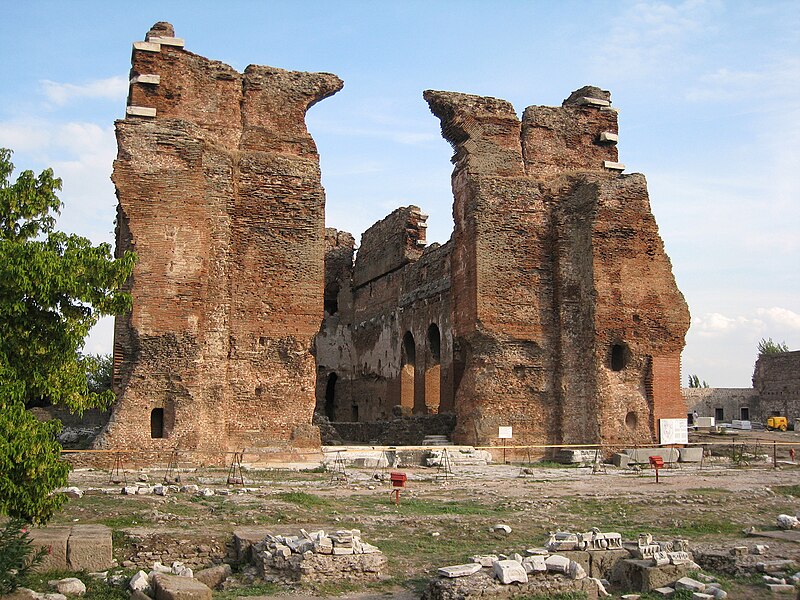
column 330, row 396
column 409, row 360
column 619, row 356
column 433, row 370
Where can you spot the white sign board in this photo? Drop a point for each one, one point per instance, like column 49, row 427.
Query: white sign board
column 504, row 433
column 673, row 431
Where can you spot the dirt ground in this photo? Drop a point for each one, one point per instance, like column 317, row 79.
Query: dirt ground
column 443, row 519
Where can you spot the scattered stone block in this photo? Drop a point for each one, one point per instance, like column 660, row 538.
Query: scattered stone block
column 173, row 587
column 89, row 548
column 460, row 570
column 576, row 571
column 690, row 455
column 214, row 576
column 778, row 588
column 510, row 571
column 70, row 586
column 558, row 563
column 687, row 583
column 485, row 560
column 140, row 582
column 72, row 492
column 534, row 564
column 643, row 576
column 759, row 549
column 776, row 566
column 701, row 596
column 620, row 460
column 665, row 591
column 788, row 522
column 501, row 528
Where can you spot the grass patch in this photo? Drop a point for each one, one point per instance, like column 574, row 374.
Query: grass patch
column 304, row 499
column 423, row 507
column 787, row 490
column 96, row 589
column 261, row 589
column 708, row 492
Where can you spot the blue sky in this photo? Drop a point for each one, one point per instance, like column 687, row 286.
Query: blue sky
column 709, row 94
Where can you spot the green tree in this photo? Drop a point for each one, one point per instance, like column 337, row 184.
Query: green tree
column 770, row 347
column 53, row 289
column 99, row 372
column 694, row 382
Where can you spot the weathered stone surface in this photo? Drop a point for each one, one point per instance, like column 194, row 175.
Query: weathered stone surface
column 687, row 583
column 459, row 570
column 173, row 587
column 90, row 548
column 219, row 193
column 601, row 562
column 55, row 539
column 70, row 586
column 140, row 582
column 643, row 576
column 214, row 576
column 484, row 585
column 510, row 571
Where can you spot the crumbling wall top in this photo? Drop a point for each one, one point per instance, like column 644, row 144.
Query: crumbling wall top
column 390, row 243
column 484, row 132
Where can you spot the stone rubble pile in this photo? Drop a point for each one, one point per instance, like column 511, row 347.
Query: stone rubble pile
column 319, row 556
column 177, row 580
column 589, row 561
column 788, row 522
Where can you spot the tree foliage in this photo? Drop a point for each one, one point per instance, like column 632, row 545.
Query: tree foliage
column 17, row 555
column 769, row 347
column 694, row 382
column 53, row 289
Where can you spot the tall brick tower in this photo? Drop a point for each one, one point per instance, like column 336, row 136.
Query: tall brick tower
column 219, row 194
column 567, row 322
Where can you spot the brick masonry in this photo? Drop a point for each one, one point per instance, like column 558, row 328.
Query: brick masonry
column 554, row 302
column 220, row 196
column 552, row 309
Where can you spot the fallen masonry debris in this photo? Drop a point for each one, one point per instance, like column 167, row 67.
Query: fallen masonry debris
column 317, row 556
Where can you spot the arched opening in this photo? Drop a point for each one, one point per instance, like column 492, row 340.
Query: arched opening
column 331, row 299
column 433, row 370
column 157, row 423
column 409, row 361
column 631, row 420
column 619, row 356
column 330, row 397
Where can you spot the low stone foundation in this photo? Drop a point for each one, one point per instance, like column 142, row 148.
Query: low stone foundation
column 484, row 585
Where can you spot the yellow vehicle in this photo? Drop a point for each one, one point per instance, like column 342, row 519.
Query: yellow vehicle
column 781, row 423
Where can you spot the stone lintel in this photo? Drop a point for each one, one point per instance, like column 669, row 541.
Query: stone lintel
column 586, row 101
column 147, row 46
column 146, row 78
column 167, row 41
column 140, row 111
column 607, row 136
column 613, row 109
column 613, row 166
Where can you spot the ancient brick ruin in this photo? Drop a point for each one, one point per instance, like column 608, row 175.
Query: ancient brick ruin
column 219, row 195
column 552, row 309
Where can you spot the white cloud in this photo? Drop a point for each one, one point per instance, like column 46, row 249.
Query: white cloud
column 778, row 80
column 647, row 37
column 781, row 318
column 111, row 88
